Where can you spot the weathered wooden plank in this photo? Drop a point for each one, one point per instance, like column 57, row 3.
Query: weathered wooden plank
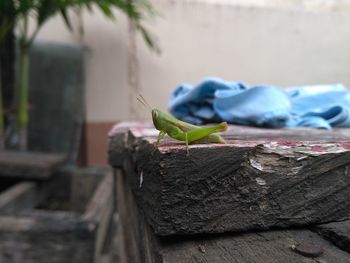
column 40, row 237
column 262, row 178
column 337, row 232
column 100, row 209
column 111, row 248
column 23, row 195
column 139, row 244
column 60, row 236
column 118, row 141
column 29, row 164
column 84, row 181
column 128, row 230
column 272, row 246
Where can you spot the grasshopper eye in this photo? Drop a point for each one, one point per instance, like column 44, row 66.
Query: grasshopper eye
column 155, row 114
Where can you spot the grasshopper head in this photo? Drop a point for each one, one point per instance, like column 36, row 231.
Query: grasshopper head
column 156, row 118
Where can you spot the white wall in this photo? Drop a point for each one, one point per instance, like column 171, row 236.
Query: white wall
column 283, row 43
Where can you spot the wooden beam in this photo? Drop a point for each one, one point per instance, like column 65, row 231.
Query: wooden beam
column 29, row 165
column 138, row 243
column 57, row 233
column 272, row 246
column 337, row 232
column 100, row 209
column 23, row 195
column 261, row 178
column 39, row 236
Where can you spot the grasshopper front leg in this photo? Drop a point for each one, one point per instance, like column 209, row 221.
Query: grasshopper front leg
column 160, row 137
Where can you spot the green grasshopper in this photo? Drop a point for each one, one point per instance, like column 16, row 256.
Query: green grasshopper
column 183, row 131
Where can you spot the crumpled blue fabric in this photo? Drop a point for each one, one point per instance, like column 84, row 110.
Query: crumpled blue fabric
column 215, row 100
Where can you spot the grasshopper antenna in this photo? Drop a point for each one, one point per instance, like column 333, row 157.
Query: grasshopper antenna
column 143, row 101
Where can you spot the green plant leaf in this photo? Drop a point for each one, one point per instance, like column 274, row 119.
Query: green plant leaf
column 66, row 18
column 105, row 7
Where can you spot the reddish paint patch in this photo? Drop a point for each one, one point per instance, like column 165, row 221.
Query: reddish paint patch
column 138, row 129
column 165, row 144
column 345, row 145
column 240, row 143
column 318, row 148
column 288, row 143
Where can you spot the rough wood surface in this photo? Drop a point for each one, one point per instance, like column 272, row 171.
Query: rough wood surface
column 338, row 233
column 21, row 196
column 100, row 209
column 29, row 164
column 272, row 247
column 84, row 181
column 43, row 235
column 261, row 179
column 138, row 244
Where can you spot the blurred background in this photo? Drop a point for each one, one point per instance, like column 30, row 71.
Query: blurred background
column 280, row 42
column 72, row 69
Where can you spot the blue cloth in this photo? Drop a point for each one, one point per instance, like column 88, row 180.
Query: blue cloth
column 214, row 100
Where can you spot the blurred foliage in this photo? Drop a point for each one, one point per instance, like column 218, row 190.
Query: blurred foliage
column 17, row 13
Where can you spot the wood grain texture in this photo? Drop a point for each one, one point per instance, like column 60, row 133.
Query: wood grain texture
column 24, row 195
column 338, row 233
column 48, row 234
column 261, row 179
column 100, row 210
column 138, row 244
column 83, row 184
column 40, row 237
column 271, row 247
column 29, row 165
